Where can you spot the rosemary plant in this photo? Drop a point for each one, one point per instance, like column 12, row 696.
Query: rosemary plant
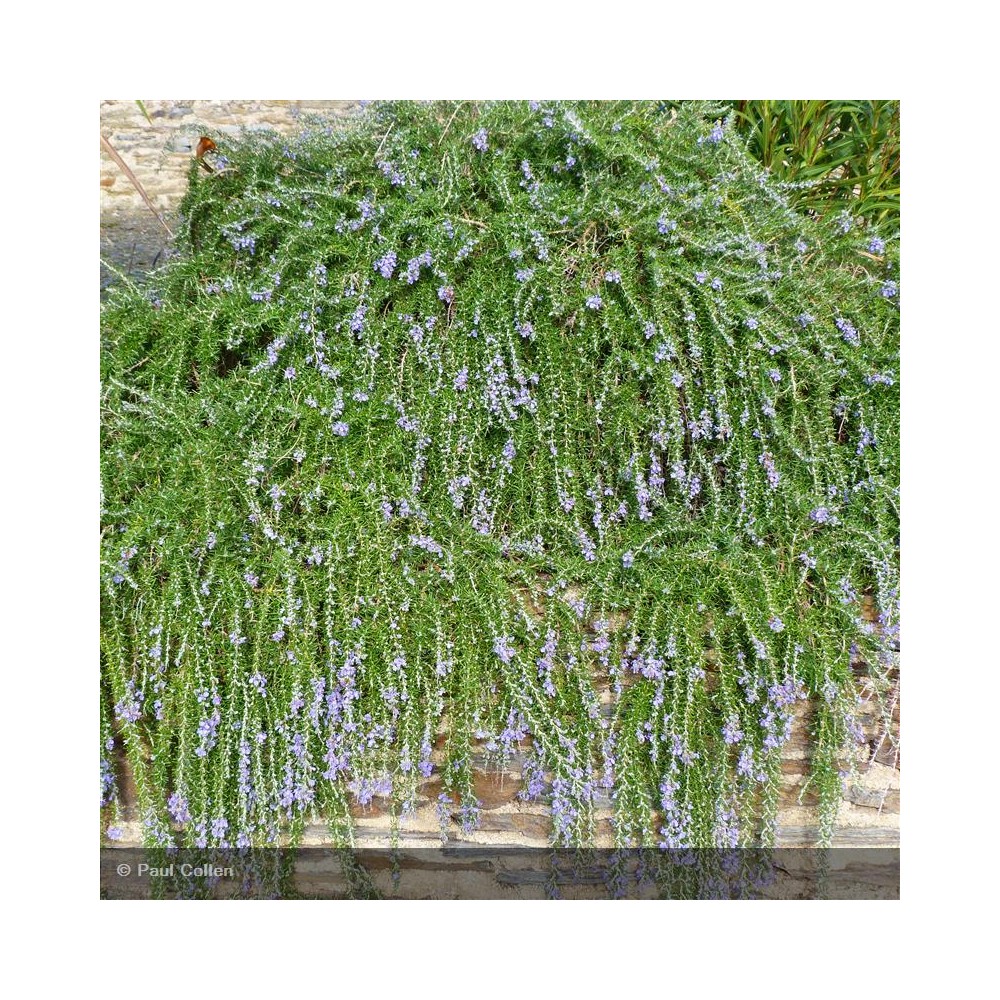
column 540, row 432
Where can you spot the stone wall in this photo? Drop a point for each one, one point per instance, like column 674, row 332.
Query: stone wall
column 159, row 153
column 868, row 815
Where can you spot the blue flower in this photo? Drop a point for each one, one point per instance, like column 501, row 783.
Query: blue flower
column 386, row 265
column 714, row 137
column 731, row 731
column 178, row 807
column 503, row 648
column 848, row 331
column 773, row 476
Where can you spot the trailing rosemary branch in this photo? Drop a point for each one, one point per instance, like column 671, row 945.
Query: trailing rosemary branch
column 540, row 432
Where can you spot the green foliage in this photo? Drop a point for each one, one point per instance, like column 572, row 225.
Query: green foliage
column 846, row 152
column 631, row 428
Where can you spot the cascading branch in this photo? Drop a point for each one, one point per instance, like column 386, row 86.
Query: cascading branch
column 532, row 429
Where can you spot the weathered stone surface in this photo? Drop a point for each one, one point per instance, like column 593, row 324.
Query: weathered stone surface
column 792, row 794
column 870, row 797
column 495, row 789
column 808, row 836
column 605, row 831
column 430, row 789
column 532, row 825
column 159, row 153
column 376, row 808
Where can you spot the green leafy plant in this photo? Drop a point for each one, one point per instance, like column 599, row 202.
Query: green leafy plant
column 840, row 153
column 546, row 434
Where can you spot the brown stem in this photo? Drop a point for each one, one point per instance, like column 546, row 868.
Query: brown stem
column 112, row 152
